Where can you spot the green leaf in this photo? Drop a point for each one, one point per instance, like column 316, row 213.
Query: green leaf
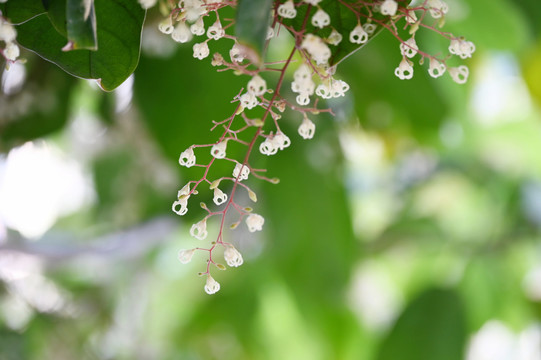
column 343, row 20
column 431, row 327
column 252, row 22
column 119, row 33
column 21, row 10
column 81, row 25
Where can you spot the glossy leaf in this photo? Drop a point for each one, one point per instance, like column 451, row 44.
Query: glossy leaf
column 119, row 33
column 252, row 21
column 81, row 25
column 21, row 10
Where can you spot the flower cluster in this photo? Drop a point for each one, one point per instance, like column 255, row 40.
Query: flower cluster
column 319, row 37
column 9, row 50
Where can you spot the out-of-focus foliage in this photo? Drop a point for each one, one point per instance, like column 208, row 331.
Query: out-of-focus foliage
column 407, row 229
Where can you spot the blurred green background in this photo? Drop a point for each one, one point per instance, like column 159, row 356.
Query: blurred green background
column 408, row 228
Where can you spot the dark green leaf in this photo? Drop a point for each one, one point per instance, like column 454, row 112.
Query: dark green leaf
column 431, row 327
column 252, row 22
column 81, row 25
column 21, row 10
column 119, row 33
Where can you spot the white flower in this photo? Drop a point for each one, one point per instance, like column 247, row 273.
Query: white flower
column 241, row 174
column 303, row 84
column 201, row 51
column 369, row 28
column 219, row 197
column 181, row 33
column 303, row 99
column 462, row 48
column 339, row 88
column 404, row 71
column 7, row 32
column 334, row 38
column 257, row 86
column 184, row 191
column 194, row 9
column 389, row 7
column 216, row 31
column 11, row 52
column 436, row 68
column 438, row 8
column 185, row 256
column 198, row 28
column 218, row 150
column 287, row 10
column 180, row 207
column 199, row 230
column 321, row 19
column 211, row 286
column 236, row 54
column 249, row 100
column 268, row 147
column 324, row 91
column 312, row 2
column 316, row 47
column 409, row 48
column 145, row 4
column 166, row 26
column 232, row 256
column 187, row 158
column 459, row 74
column 307, row 128
column 281, row 140
column 255, row 222
column 358, row 35
column 411, row 17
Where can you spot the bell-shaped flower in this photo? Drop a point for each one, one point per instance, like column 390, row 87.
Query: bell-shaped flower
column 437, row 8
column 218, row 150
column 316, row 47
column 219, row 197
column 389, row 7
column 199, row 230
column 182, row 33
column 201, row 51
column 339, row 88
column 241, row 172
column 187, row 158
column 268, row 147
column 236, row 54
column 324, row 91
column 404, row 71
column 370, row 28
column 211, row 286
column 232, row 256
column 436, row 68
column 321, row 19
column 411, row 17
column 255, row 222
column 409, row 48
column 12, row 51
column 249, row 100
column 459, row 74
column 281, row 140
column 180, row 207
column 194, row 9
column 287, row 10
column 358, row 35
column 312, row 2
column 257, row 86
column 185, row 256
column 198, row 28
column 7, row 31
column 166, row 26
column 216, row 31
column 307, row 128
column 334, row 38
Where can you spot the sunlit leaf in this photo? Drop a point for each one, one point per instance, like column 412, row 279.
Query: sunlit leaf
column 252, row 21
column 81, row 25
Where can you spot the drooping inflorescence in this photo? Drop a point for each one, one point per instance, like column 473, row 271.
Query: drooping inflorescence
column 318, row 43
